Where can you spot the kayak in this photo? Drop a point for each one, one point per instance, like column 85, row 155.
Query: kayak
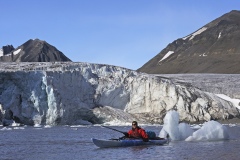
column 104, row 143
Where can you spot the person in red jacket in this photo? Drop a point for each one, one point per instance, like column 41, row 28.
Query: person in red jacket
column 136, row 132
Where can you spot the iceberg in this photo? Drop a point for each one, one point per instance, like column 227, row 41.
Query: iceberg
column 172, row 127
column 185, row 131
column 210, row 131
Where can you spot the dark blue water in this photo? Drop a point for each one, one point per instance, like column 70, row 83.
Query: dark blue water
column 65, row 142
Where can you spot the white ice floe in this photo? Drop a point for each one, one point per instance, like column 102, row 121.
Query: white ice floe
column 184, row 130
column 232, row 125
column 210, row 131
column 18, row 128
column 37, row 125
column 235, row 102
column 14, row 124
column 76, row 126
column 6, row 129
column 47, row 126
column 167, row 55
column 172, row 127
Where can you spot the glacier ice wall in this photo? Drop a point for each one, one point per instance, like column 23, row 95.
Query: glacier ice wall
column 69, row 93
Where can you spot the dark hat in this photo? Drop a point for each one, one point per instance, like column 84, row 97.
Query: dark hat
column 135, row 122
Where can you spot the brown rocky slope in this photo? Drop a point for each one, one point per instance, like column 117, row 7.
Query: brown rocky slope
column 214, row 48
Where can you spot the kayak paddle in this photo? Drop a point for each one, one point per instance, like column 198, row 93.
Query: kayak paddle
column 113, row 129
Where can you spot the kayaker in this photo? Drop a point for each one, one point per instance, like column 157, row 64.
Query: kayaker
column 136, row 132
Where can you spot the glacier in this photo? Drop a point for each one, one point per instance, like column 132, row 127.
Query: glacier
column 72, row 93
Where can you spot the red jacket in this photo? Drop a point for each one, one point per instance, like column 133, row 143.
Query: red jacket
column 138, row 133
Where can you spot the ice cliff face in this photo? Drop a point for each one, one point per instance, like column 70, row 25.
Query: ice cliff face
column 79, row 93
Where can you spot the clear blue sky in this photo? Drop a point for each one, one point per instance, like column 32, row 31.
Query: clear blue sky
column 124, row 33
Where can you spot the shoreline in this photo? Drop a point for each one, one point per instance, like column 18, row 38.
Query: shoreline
column 230, row 121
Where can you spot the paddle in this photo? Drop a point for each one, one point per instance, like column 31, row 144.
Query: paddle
column 113, row 129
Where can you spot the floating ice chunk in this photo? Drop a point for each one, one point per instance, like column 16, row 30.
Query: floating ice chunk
column 170, row 126
column 175, row 130
column 37, row 125
column 18, row 128
column 163, row 134
column 232, row 125
column 14, row 124
column 6, row 129
column 210, row 131
column 185, row 130
column 47, row 126
column 37, row 120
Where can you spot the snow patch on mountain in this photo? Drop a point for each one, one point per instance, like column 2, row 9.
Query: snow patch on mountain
column 195, row 33
column 219, row 35
column 9, row 54
column 184, row 38
column 1, row 52
column 204, row 55
column 167, row 55
column 16, row 52
column 198, row 32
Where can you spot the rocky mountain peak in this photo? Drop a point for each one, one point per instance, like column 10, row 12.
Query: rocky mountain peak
column 7, row 49
column 213, row 48
column 232, row 17
column 35, row 50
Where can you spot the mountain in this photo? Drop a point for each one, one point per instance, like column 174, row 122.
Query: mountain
column 6, row 50
column 214, row 48
column 32, row 51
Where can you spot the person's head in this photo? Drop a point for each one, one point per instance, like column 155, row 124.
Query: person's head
column 134, row 124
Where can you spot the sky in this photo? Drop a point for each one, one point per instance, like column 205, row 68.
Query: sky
column 126, row 33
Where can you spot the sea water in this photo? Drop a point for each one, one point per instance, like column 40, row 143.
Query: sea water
column 74, row 142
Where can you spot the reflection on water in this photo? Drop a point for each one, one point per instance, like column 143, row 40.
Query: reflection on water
column 68, row 143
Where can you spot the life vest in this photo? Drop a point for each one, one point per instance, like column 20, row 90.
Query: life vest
column 138, row 133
